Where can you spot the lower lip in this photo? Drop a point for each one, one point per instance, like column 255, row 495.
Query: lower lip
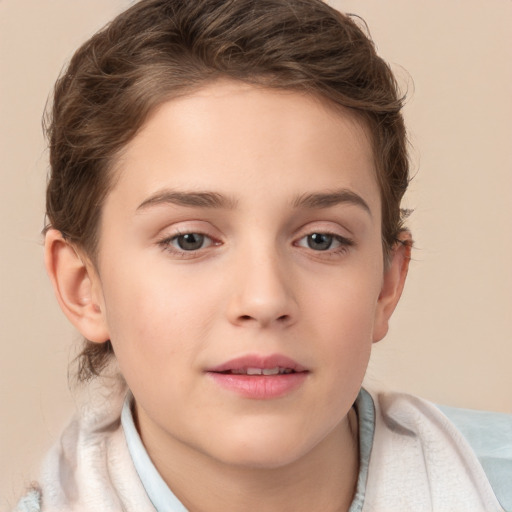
column 260, row 387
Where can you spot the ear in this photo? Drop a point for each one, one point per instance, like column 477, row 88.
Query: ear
column 77, row 287
column 393, row 283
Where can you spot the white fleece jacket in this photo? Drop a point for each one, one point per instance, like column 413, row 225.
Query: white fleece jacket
column 419, row 461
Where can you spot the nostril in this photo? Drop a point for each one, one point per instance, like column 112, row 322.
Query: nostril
column 281, row 319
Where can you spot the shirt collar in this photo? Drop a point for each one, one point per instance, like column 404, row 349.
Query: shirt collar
column 163, row 498
column 158, row 492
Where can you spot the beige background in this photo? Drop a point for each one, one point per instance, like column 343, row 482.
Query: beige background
column 451, row 336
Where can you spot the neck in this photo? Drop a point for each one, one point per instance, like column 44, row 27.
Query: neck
column 323, row 479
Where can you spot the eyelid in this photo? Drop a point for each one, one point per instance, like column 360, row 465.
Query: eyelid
column 167, row 246
column 327, row 227
column 187, row 226
column 343, row 242
column 197, row 227
column 341, row 239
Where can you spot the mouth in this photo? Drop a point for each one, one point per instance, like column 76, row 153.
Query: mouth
column 275, row 364
column 259, row 371
column 260, row 377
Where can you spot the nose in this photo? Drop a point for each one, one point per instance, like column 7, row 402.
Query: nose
column 262, row 291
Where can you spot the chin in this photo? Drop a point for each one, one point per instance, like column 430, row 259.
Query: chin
column 249, row 459
column 258, row 448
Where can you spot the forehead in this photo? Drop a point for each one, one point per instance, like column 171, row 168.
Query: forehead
column 242, row 139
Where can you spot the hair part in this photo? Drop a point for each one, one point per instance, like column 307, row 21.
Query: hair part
column 160, row 49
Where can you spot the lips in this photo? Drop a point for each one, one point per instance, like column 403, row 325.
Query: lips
column 257, row 365
column 259, row 377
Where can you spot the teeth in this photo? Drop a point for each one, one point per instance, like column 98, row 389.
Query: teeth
column 263, row 371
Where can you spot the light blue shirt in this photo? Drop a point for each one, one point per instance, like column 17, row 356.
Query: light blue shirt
column 157, row 490
column 489, row 434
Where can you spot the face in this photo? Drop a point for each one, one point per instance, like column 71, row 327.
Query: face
column 240, row 272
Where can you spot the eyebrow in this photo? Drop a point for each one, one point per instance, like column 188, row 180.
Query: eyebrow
column 316, row 200
column 192, row 199
column 328, row 199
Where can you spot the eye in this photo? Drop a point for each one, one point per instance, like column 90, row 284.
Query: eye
column 324, row 242
column 319, row 241
column 184, row 243
column 190, row 241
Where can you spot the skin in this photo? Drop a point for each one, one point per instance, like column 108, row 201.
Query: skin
column 257, row 285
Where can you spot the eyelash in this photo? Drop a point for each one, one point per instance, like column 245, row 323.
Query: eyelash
column 344, row 243
column 166, row 244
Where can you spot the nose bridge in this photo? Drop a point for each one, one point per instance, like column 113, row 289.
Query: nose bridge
column 262, row 286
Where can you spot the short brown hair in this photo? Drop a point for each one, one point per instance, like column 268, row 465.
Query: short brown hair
column 159, row 49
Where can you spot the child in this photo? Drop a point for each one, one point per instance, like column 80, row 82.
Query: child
column 225, row 231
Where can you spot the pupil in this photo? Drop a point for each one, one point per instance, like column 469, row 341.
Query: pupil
column 190, row 241
column 319, row 241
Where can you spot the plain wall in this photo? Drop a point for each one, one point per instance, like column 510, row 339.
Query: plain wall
column 450, row 340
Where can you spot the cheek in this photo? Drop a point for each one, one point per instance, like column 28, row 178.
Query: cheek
column 348, row 328
column 146, row 326
column 343, row 313
column 154, row 316
column 344, row 302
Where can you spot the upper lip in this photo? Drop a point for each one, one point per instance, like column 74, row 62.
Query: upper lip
column 259, row 361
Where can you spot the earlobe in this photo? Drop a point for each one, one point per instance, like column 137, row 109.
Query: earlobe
column 393, row 284
column 76, row 286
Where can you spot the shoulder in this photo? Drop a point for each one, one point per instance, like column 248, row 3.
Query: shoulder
column 490, row 436
column 437, row 462
column 487, row 432
column 31, row 502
